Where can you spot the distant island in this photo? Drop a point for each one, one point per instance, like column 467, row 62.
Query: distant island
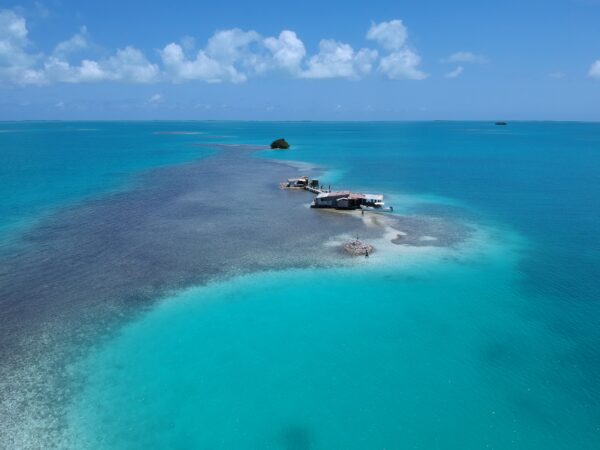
column 280, row 144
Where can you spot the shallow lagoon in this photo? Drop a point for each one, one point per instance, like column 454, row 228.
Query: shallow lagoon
column 405, row 352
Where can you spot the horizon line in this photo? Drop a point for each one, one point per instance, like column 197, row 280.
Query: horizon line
column 308, row 120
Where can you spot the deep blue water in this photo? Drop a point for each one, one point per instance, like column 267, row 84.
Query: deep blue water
column 492, row 344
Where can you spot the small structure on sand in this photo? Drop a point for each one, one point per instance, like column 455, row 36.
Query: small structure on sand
column 347, row 200
column 357, row 247
column 300, row 183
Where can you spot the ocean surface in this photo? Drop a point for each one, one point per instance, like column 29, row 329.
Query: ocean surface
column 158, row 289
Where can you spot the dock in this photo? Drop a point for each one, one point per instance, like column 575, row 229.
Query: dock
column 314, row 190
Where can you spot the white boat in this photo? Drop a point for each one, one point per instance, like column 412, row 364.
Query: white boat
column 377, row 207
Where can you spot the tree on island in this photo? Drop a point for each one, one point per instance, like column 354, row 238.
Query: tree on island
column 280, row 144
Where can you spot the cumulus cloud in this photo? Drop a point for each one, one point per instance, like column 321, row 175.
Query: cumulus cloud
column 127, row 65
column 455, row 73
column 465, row 57
column 402, row 65
column 230, row 46
column 130, row 65
column 228, row 57
column 594, row 71
column 339, row 60
column 231, row 56
column 402, row 62
column 287, row 51
column 13, row 28
column 57, row 69
column 17, row 65
column 390, row 35
column 179, row 68
column 75, row 43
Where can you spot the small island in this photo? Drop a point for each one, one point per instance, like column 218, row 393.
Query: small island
column 358, row 248
column 280, row 144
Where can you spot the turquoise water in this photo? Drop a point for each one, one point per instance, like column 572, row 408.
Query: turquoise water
column 426, row 356
column 491, row 343
column 48, row 164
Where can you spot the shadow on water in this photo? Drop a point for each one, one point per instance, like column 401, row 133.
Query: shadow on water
column 296, row 437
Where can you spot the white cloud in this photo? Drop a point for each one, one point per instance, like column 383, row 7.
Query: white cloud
column 402, row 65
column 16, row 64
column 75, row 43
column 231, row 55
column 127, row 65
column 179, row 68
column 130, row 65
column 89, row 71
column 230, row 46
column 455, row 73
column 228, row 57
column 287, row 51
column 465, row 57
column 339, row 60
column 402, row 62
column 155, row 99
column 594, row 71
column 57, row 69
column 13, row 28
column 390, row 35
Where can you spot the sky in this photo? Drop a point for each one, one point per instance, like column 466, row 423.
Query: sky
column 310, row 60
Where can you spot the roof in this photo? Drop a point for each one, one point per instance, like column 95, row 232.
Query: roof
column 334, row 194
column 351, row 195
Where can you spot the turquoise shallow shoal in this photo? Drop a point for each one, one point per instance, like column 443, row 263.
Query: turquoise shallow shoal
column 418, row 354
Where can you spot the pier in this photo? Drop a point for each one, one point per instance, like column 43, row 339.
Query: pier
column 315, row 190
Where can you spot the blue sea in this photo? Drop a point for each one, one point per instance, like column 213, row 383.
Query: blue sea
column 159, row 290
